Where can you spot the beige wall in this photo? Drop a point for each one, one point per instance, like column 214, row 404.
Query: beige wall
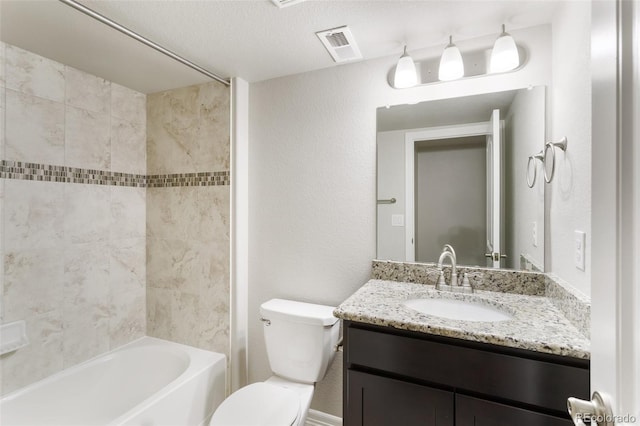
column 73, row 254
column 188, row 226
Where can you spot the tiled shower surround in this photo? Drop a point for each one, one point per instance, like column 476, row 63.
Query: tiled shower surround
column 78, row 220
column 188, row 226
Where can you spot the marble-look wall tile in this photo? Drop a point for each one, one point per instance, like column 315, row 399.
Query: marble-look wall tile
column 128, row 213
column 87, row 216
column 214, row 210
column 129, row 105
column 87, row 92
column 189, row 213
column 2, row 64
column 128, row 147
column 188, row 227
column 72, row 256
column 2, row 121
column 85, row 312
column 87, row 139
column 32, row 74
column 213, row 315
column 86, row 274
column 1, row 258
column 33, row 215
column 34, row 283
column 196, row 319
column 159, row 318
column 188, row 129
column 185, row 326
column 175, row 214
column 41, row 358
column 34, row 129
column 127, row 298
column 186, row 265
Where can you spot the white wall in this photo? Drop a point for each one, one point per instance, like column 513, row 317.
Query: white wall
column 312, row 163
column 390, row 241
column 525, row 136
column 239, row 233
column 569, row 195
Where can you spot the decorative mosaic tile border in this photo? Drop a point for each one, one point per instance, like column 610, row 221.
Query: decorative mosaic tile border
column 65, row 174
column 189, row 179
column 575, row 306
column 502, row 280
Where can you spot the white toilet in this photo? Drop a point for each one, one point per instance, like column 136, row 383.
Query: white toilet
column 300, row 339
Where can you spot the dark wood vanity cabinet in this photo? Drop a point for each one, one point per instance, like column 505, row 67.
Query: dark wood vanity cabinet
column 395, row 377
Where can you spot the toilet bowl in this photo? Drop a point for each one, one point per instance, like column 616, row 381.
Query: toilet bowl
column 274, row 402
column 300, row 340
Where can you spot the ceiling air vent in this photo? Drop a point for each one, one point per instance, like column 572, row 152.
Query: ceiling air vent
column 285, row 3
column 340, row 44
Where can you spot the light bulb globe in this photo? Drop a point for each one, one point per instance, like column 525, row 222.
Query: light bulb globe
column 405, row 75
column 504, row 56
column 451, row 65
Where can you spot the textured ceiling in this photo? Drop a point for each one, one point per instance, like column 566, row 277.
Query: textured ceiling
column 251, row 39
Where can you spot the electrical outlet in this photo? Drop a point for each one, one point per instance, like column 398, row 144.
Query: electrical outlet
column 580, row 241
column 534, row 234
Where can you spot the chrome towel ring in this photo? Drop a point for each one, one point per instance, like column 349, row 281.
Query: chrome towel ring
column 551, row 147
column 532, row 160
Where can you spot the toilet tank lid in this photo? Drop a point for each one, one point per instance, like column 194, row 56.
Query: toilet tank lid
column 308, row 313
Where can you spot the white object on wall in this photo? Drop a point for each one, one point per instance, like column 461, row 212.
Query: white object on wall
column 397, row 220
column 13, row 336
column 580, row 239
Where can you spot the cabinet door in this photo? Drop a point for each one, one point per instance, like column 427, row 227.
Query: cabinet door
column 379, row 401
column 477, row 412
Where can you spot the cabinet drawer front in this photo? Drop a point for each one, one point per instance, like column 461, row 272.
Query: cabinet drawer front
column 477, row 412
column 539, row 383
column 379, row 401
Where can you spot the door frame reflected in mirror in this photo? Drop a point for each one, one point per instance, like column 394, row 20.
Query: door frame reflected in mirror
column 440, row 116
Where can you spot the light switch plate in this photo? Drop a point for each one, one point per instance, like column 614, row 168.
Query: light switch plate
column 534, row 234
column 580, row 241
column 397, row 220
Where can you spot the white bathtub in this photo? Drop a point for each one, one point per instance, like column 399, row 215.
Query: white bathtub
column 146, row 382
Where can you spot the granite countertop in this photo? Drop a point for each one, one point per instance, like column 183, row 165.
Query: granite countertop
column 537, row 324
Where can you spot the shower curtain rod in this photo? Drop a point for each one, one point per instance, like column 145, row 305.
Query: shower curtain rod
column 95, row 15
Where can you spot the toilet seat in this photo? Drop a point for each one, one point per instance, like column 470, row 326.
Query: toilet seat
column 259, row 404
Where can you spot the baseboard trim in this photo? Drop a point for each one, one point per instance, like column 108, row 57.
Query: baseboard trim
column 318, row 418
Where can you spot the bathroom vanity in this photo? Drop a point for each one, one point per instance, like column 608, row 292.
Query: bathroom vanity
column 404, row 367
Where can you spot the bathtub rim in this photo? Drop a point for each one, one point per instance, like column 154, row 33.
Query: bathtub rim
column 199, row 361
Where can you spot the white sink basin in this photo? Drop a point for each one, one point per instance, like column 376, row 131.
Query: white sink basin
column 458, row 310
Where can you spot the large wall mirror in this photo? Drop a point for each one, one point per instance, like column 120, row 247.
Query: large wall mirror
column 454, row 171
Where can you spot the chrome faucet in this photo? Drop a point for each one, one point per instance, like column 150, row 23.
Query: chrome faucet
column 454, row 285
column 447, row 251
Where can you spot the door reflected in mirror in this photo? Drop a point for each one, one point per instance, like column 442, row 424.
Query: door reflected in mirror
column 453, row 171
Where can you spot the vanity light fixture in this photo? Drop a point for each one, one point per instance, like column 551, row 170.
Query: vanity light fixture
column 405, row 75
column 504, row 56
column 451, row 65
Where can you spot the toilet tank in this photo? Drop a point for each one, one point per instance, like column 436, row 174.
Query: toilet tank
column 300, row 338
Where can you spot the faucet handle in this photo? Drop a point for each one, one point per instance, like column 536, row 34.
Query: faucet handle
column 465, row 280
column 441, row 281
